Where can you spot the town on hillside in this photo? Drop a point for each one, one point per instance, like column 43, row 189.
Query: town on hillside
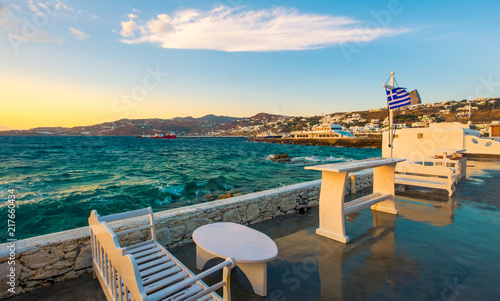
column 482, row 112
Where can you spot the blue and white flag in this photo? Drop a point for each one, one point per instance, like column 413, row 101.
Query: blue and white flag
column 397, row 97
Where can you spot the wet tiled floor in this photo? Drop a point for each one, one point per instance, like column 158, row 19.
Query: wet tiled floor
column 437, row 248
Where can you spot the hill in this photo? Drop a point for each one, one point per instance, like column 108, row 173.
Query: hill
column 483, row 111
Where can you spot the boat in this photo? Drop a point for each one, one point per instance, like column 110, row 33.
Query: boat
column 164, row 136
column 269, row 135
column 325, row 130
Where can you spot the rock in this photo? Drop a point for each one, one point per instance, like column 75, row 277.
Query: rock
column 169, row 236
column 231, row 215
column 253, row 212
column 57, row 269
column 225, row 196
column 30, row 284
column 209, row 197
column 71, row 255
column 84, row 259
column 26, row 273
column 281, row 158
column 5, row 271
column 195, row 223
column 137, row 237
column 164, row 237
column 287, row 204
column 42, row 258
column 71, row 246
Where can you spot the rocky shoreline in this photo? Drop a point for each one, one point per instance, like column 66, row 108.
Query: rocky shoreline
column 344, row 142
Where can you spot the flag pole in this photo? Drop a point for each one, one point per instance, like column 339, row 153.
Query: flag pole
column 391, row 124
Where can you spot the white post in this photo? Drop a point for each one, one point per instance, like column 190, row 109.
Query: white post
column 391, row 125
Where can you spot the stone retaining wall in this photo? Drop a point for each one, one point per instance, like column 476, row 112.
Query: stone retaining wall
column 44, row 260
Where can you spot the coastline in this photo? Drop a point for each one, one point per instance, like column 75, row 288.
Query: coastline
column 342, row 142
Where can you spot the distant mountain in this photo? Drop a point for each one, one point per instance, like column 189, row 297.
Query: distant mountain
column 482, row 111
column 211, row 118
column 266, row 116
column 134, row 127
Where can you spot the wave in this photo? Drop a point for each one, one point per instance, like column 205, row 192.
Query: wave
column 314, row 159
column 197, row 188
column 321, row 159
column 173, row 189
column 167, row 200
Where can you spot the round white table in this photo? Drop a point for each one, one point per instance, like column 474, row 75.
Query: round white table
column 250, row 248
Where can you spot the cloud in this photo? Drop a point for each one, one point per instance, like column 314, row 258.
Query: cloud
column 128, row 27
column 16, row 7
column 238, row 29
column 31, row 20
column 80, row 35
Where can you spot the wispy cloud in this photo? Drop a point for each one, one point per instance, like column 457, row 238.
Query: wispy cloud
column 29, row 19
column 16, row 7
column 239, row 29
column 80, row 35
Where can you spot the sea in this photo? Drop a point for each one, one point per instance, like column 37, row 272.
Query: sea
column 58, row 181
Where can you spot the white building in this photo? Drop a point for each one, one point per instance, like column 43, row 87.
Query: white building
column 421, row 143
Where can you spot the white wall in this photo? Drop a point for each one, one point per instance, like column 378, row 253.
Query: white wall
column 407, row 145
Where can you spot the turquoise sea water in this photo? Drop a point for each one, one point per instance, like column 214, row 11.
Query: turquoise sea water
column 59, row 180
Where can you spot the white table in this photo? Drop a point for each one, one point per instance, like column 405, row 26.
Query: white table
column 250, row 248
column 332, row 208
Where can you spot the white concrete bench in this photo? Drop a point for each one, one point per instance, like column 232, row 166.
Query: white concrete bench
column 146, row 270
column 437, row 177
column 358, row 174
column 457, row 166
column 332, row 208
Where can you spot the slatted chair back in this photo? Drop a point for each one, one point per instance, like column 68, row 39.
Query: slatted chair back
column 116, row 269
column 146, row 271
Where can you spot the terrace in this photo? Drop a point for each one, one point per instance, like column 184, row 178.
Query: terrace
column 437, row 248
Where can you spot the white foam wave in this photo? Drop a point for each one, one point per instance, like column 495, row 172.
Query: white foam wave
column 320, row 159
column 165, row 201
column 173, row 189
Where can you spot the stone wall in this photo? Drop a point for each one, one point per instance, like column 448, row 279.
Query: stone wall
column 44, row 260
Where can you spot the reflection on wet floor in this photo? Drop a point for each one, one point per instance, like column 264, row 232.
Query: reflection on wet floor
column 437, row 248
column 433, row 212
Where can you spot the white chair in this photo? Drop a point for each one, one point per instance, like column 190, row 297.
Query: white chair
column 146, row 270
column 438, row 177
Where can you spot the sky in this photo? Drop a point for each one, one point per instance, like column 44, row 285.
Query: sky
column 73, row 62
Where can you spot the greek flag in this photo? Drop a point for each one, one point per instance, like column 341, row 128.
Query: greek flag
column 397, row 97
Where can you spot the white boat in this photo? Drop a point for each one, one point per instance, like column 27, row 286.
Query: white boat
column 323, row 131
column 269, row 135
